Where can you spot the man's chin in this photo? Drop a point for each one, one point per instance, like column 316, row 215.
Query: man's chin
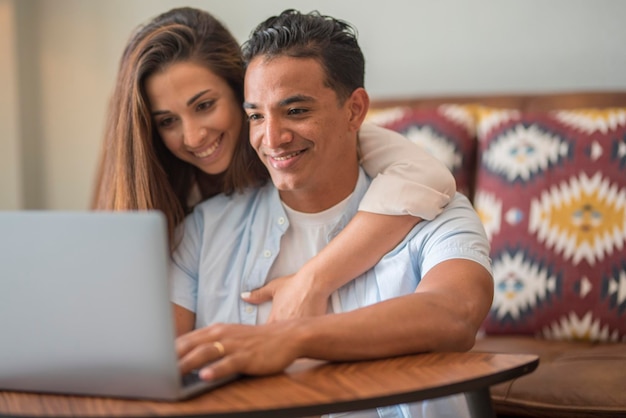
column 285, row 182
column 283, row 185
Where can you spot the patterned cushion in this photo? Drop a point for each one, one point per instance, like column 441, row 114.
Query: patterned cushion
column 446, row 131
column 551, row 191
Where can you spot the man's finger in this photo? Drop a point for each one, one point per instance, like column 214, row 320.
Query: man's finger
column 218, row 369
column 199, row 357
column 187, row 342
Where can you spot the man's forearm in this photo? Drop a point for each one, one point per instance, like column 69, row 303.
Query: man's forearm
column 444, row 314
column 423, row 321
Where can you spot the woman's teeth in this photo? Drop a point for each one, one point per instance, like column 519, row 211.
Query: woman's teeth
column 209, row 150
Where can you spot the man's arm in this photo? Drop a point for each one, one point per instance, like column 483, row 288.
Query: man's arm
column 444, row 314
column 184, row 319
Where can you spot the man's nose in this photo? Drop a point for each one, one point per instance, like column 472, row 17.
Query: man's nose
column 276, row 134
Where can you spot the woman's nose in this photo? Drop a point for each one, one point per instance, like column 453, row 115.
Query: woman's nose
column 194, row 136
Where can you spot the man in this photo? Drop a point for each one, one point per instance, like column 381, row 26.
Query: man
column 305, row 101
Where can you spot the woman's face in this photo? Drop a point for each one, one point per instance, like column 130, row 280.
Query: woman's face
column 196, row 114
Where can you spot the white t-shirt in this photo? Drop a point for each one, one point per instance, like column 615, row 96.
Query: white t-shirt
column 306, row 236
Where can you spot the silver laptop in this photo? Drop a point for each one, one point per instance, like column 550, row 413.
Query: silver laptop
column 84, row 306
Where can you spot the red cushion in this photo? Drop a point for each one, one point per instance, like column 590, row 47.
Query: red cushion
column 551, row 191
column 446, row 131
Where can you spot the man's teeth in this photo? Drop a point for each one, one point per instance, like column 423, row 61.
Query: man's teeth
column 209, row 150
column 286, row 157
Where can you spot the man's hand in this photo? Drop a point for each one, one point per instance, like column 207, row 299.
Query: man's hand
column 224, row 349
column 293, row 296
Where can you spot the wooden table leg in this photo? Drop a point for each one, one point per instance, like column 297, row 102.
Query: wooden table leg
column 479, row 403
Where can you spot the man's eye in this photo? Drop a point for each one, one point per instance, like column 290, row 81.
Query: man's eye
column 254, row 116
column 297, row 111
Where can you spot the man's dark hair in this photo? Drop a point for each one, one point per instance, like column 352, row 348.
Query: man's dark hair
column 331, row 41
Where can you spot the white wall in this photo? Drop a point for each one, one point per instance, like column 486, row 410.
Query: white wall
column 412, row 47
column 10, row 164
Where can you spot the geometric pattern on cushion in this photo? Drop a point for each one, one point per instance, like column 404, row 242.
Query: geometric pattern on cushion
column 551, row 192
column 446, row 131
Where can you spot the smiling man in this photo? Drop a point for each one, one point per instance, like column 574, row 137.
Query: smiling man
column 305, row 135
column 306, row 103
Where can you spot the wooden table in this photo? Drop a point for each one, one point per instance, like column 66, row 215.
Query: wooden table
column 308, row 388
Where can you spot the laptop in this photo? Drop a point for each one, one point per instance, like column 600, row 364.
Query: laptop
column 84, row 306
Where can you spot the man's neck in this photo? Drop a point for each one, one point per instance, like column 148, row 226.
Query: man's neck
column 323, row 197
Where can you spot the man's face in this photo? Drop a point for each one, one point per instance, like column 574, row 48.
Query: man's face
column 301, row 132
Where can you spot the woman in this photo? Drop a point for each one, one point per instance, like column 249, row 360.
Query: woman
column 175, row 138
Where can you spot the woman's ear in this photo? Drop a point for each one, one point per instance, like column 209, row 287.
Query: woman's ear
column 359, row 104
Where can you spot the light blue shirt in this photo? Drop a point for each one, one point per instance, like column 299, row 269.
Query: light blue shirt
column 230, row 243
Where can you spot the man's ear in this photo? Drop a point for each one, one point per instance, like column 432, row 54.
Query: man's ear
column 358, row 105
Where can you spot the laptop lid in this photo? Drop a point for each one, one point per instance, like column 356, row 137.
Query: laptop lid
column 84, row 305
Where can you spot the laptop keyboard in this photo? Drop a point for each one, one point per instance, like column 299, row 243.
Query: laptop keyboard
column 191, row 378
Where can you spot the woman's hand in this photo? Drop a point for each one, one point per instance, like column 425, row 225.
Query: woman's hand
column 356, row 249
column 294, row 296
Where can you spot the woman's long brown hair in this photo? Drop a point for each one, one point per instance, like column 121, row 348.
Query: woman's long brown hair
column 136, row 170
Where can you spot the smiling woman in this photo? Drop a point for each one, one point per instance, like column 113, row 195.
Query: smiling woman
column 196, row 114
column 143, row 164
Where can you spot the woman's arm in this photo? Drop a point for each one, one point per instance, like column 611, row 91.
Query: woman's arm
column 406, row 179
column 408, row 184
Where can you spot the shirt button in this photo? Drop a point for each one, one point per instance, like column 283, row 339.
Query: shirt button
column 281, row 221
column 249, row 309
column 267, row 253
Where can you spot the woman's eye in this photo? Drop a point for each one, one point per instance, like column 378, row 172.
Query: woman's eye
column 165, row 123
column 205, row 105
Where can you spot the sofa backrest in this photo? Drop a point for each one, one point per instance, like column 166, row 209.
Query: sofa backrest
column 547, row 175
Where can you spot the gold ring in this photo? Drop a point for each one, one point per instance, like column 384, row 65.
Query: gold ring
column 219, row 347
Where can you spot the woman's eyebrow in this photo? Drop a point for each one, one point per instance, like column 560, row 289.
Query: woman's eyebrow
column 189, row 103
column 195, row 97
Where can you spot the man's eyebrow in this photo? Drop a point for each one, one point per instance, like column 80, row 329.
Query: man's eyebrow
column 298, row 98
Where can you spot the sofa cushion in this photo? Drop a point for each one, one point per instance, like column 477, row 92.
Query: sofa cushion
column 551, row 191
column 574, row 379
column 446, row 131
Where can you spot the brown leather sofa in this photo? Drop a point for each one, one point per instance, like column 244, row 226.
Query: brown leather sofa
column 582, row 369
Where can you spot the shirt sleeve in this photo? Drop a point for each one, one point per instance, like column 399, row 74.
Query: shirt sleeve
column 184, row 264
column 406, row 178
column 457, row 233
